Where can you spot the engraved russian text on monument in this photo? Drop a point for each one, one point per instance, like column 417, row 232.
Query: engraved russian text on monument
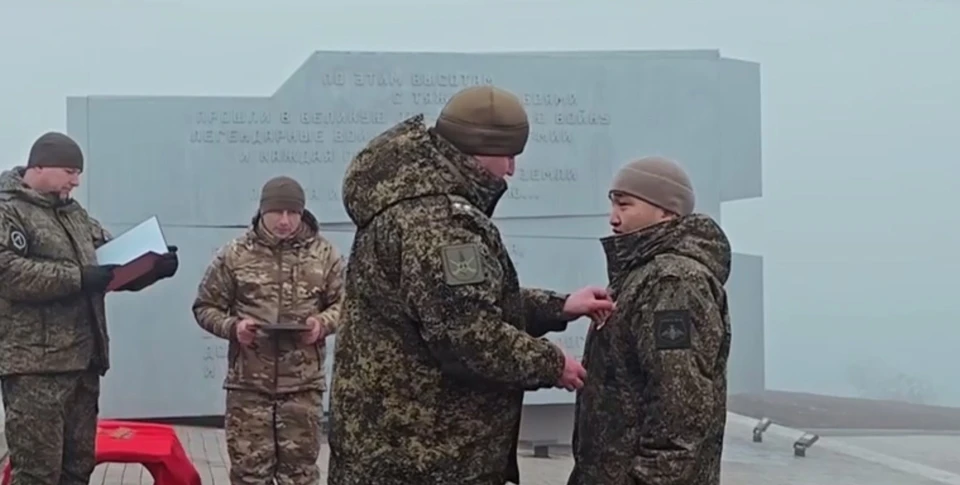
column 286, row 137
column 330, row 129
column 334, row 137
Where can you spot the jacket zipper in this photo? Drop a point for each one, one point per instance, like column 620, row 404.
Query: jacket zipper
column 276, row 335
column 316, row 345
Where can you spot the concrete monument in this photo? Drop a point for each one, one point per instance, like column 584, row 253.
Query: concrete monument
column 198, row 164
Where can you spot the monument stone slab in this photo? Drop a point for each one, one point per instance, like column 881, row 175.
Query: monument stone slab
column 207, row 156
column 198, row 163
column 162, row 363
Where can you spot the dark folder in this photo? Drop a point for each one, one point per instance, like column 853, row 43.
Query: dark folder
column 133, row 270
column 285, row 327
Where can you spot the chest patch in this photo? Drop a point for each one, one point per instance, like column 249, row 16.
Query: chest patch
column 18, row 242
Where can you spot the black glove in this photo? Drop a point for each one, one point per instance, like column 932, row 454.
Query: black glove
column 94, row 279
column 168, row 264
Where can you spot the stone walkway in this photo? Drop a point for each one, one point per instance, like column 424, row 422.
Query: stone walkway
column 909, row 460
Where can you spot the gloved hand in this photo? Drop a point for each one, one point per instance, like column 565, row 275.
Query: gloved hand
column 168, row 264
column 94, row 279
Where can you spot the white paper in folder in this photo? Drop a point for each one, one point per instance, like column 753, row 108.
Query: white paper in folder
column 144, row 238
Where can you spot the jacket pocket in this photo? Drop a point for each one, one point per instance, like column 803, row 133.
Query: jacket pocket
column 234, row 364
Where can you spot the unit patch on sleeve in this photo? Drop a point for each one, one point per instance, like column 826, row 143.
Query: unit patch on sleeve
column 672, row 329
column 17, row 241
column 462, row 264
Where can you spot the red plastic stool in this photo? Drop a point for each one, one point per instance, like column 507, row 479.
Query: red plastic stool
column 155, row 446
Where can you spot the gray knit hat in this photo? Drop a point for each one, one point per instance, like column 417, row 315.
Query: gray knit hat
column 659, row 181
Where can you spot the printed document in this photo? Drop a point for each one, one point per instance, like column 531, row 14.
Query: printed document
column 144, row 238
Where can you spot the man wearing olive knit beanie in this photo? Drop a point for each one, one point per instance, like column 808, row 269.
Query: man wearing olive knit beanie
column 440, row 340
column 654, row 408
column 275, row 294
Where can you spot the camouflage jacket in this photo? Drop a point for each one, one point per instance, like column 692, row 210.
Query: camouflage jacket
column 439, row 341
column 47, row 324
column 269, row 281
column 653, row 409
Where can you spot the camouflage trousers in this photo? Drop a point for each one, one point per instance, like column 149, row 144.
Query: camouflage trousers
column 51, row 427
column 274, row 437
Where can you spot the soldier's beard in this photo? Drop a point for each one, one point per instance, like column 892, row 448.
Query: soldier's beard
column 60, row 193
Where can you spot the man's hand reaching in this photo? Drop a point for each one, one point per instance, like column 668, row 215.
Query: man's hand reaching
column 590, row 301
column 573, row 374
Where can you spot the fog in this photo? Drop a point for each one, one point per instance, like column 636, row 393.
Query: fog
column 860, row 109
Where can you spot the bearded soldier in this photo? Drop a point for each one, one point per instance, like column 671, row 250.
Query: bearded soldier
column 439, row 341
column 53, row 332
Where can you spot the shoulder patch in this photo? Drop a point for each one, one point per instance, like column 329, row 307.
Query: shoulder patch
column 462, row 264
column 18, row 241
column 672, row 329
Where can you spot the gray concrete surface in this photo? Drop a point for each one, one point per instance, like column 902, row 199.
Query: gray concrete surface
column 937, row 451
column 831, row 460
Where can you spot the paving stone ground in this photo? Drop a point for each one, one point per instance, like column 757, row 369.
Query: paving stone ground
column 745, row 463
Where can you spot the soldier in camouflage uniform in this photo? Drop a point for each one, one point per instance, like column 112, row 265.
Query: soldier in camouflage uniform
column 282, row 271
column 53, row 334
column 654, row 410
column 439, row 341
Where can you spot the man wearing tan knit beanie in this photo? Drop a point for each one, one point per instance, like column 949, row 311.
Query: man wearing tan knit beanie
column 275, row 294
column 648, row 191
column 669, row 336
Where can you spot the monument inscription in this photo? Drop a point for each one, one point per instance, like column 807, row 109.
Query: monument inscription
column 587, row 116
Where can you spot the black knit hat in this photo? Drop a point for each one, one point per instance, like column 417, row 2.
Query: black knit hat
column 55, row 150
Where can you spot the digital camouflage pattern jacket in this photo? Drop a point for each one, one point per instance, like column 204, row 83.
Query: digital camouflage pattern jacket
column 438, row 341
column 268, row 280
column 47, row 323
column 653, row 409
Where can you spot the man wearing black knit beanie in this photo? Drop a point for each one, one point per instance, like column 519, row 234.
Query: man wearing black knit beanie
column 53, row 331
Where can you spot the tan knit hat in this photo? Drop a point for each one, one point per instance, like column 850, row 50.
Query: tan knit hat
column 484, row 120
column 282, row 193
column 659, row 181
